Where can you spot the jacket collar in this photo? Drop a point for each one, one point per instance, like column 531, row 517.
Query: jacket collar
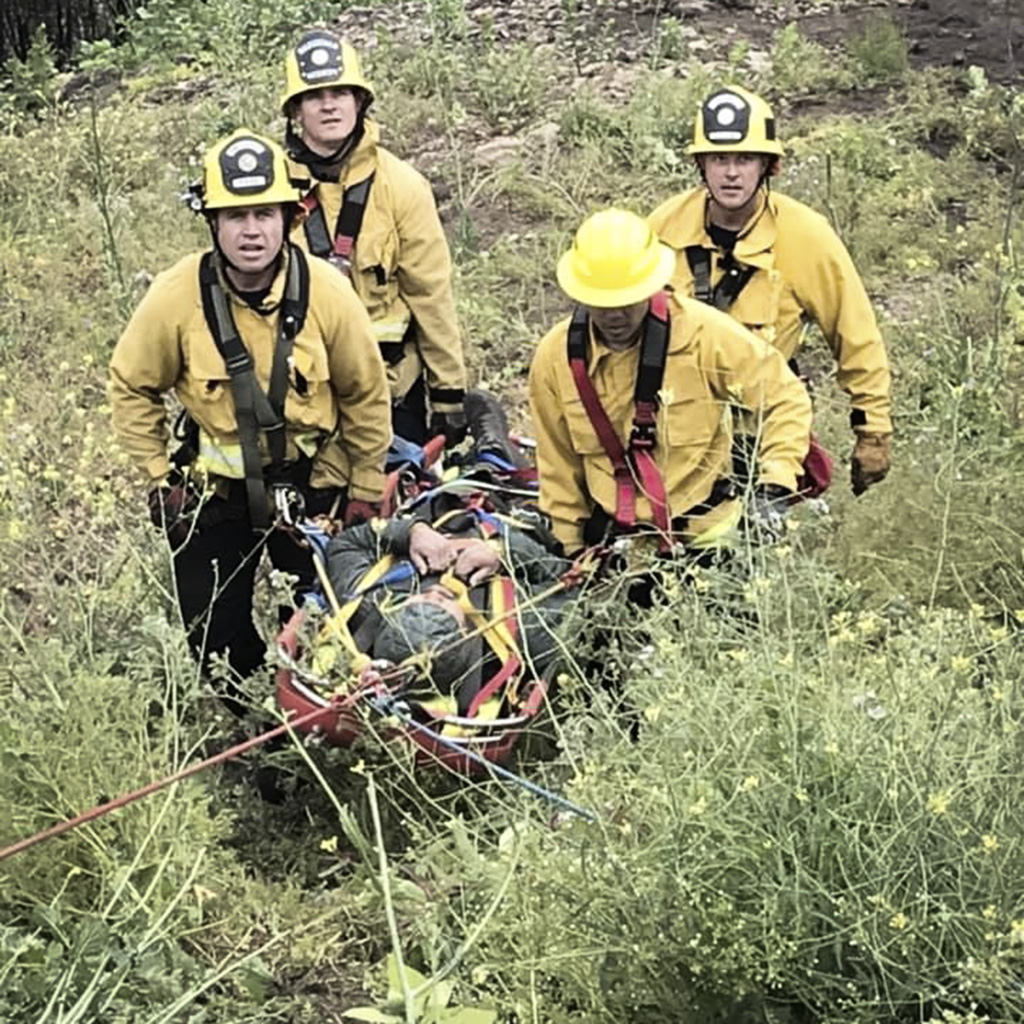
column 689, row 226
column 272, row 300
column 357, row 163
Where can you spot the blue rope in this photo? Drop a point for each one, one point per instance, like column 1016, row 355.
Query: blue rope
column 387, row 707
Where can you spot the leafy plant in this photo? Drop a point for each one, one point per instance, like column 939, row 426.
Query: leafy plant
column 800, row 65
column 29, row 83
column 879, row 50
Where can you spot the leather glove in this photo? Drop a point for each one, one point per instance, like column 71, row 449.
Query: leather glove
column 357, row 512
column 769, row 507
column 172, row 507
column 869, row 463
column 452, row 424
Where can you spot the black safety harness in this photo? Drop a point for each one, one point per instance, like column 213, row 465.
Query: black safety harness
column 255, row 410
column 735, row 277
column 337, row 250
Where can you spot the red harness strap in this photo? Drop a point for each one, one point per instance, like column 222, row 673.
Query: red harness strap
column 638, row 464
column 337, row 250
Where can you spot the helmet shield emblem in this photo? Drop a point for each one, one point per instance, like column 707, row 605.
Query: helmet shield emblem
column 318, row 56
column 246, row 167
column 726, row 118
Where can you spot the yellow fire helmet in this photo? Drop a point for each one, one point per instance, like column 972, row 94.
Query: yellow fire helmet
column 245, row 169
column 733, row 120
column 321, row 59
column 615, row 260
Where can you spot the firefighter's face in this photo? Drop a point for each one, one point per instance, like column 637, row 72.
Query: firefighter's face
column 618, row 327
column 251, row 236
column 328, row 117
column 733, row 178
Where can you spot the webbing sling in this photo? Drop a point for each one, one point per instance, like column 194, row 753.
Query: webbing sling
column 638, row 460
column 734, row 278
column 350, row 220
column 256, row 411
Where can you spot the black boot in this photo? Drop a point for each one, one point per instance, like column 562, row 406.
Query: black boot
column 488, row 425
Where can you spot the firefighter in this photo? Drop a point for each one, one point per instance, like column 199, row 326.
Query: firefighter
column 271, row 354
column 631, row 399
column 773, row 264
column 373, row 216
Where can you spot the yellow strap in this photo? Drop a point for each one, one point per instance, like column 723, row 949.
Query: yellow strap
column 337, row 624
column 493, row 629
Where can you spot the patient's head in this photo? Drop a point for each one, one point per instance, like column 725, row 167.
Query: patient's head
column 432, row 623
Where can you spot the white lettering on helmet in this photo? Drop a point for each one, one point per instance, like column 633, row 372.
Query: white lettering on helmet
column 249, row 144
column 252, row 181
column 313, row 75
column 321, row 42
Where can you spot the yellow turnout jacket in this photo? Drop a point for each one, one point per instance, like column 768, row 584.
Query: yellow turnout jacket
column 336, row 409
column 713, row 364
column 401, row 269
column 803, row 271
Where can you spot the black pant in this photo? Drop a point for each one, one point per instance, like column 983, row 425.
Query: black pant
column 215, row 573
column 409, row 414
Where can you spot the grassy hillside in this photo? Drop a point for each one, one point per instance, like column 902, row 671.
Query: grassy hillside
column 820, row 819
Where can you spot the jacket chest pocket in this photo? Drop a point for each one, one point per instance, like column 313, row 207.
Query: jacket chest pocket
column 309, row 386
column 376, row 265
column 584, row 437
column 206, row 387
column 692, row 418
column 757, row 305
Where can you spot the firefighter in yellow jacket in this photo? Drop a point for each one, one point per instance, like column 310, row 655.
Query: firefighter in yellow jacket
column 631, row 398
column 373, row 216
column 773, row 263
column 272, row 357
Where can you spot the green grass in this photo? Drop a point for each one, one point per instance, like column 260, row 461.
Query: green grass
column 819, row 820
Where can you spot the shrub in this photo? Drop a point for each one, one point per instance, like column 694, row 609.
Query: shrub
column 879, row 50
column 819, row 815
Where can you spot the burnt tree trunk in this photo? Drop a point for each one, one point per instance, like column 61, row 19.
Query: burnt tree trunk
column 67, row 23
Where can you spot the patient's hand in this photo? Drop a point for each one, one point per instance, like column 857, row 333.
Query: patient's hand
column 429, row 551
column 476, row 561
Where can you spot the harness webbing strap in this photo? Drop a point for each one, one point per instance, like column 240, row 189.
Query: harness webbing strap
column 256, row 411
column 639, row 461
column 735, row 277
column 625, row 495
column 643, row 437
column 350, row 221
column 699, row 260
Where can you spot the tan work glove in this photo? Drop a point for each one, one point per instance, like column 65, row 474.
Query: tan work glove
column 869, row 463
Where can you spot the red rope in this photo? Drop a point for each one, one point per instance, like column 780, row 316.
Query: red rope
column 153, row 787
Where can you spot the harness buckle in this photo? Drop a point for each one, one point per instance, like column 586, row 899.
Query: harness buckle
column 239, row 363
column 340, row 262
column 644, row 436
